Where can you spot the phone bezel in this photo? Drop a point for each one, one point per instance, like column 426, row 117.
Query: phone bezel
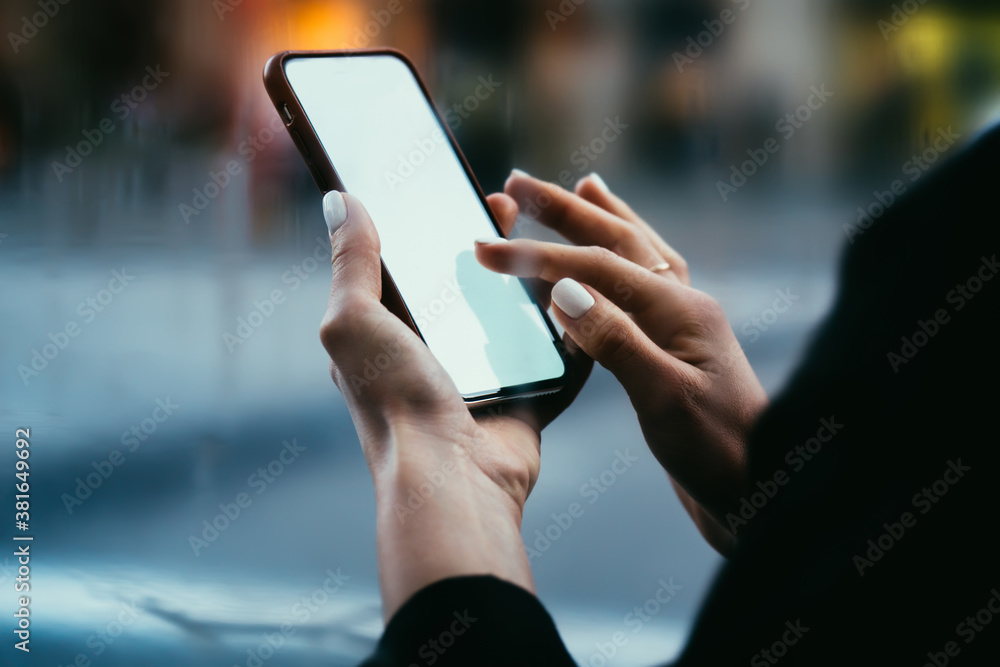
column 325, row 175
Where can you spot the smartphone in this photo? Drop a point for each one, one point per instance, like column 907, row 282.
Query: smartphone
column 365, row 124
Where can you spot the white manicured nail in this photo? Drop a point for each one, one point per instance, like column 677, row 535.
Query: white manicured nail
column 599, row 182
column 334, row 210
column 572, row 298
column 490, row 240
column 520, row 173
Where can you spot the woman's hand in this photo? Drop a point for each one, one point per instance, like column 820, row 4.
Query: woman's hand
column 669, row 345
column 450, row 489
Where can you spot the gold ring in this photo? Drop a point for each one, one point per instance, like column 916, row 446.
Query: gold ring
column 662, row 266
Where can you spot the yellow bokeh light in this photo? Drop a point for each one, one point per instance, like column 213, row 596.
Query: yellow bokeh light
column 325, row 25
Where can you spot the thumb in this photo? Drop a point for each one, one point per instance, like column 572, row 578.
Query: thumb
column 357, row 268
column 609, row 336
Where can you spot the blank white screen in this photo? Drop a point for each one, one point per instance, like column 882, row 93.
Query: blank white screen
column 389, row 150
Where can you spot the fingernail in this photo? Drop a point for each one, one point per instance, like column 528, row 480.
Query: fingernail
column 572, row 298
column 490, row 240
column 334, row 210
column 599, row 182
column 519, row 173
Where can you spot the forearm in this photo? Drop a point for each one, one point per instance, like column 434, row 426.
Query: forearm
column 440, row 516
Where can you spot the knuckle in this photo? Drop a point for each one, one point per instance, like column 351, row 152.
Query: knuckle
column 340, row 253
column 615, row 342
column 704, row 312
column 340, row 322
column 705, row 304
column 331, row 333
column 627, row 241
column 602, row 258
column 680, row 267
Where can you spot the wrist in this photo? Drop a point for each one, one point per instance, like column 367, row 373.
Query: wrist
column 441, row 516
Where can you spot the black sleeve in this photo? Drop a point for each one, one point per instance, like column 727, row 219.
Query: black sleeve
column 467, row 621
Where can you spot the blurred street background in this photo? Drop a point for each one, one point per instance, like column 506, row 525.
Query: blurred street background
column 134, row 256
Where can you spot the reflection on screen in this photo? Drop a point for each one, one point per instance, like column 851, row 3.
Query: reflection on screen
column 390, row 151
